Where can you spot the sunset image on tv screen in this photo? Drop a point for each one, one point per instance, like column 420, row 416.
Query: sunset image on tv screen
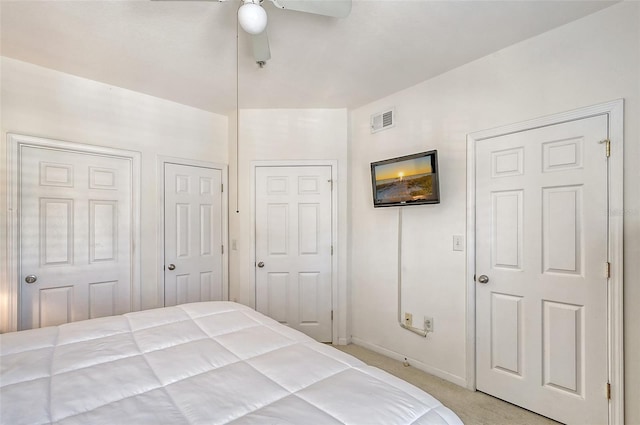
column 405, row 181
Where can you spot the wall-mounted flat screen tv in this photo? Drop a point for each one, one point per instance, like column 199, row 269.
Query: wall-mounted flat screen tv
column 406, row 180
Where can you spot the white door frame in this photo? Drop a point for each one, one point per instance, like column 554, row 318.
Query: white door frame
column 334, row 229
column 615, row 111
column 161, row 161
column 15, row 142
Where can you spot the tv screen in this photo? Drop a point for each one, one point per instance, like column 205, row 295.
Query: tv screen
column 407, row 180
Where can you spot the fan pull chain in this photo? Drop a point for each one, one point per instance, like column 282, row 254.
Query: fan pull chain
column 237, row 117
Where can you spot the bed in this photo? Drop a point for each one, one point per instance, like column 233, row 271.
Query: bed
column 200, row 363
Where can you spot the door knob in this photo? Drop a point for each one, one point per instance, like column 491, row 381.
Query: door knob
column 31, row 278
column 261, row 264
column 171, row 267
column 483, row 278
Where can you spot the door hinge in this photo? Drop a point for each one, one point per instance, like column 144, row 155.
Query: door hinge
column 607, row 143
column 222, row 188
column 331, row 181
column 222, row 246
column 607, row 269
column 331, row 314
column 331, row 249
column 608, row 391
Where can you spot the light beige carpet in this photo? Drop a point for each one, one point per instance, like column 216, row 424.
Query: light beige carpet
column 474, row 408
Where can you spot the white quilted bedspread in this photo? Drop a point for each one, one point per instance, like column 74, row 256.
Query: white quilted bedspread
column 201, row 363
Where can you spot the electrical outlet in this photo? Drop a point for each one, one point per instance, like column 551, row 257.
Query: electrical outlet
column 408, row 319
column 428, row 324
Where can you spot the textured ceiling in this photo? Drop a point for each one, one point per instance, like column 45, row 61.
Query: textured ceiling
column 185, row 51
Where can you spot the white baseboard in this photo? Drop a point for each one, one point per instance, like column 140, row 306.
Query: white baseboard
column 344, row 341
column 413, row 362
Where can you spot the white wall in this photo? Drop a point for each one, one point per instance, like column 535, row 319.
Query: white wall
column 41, row 102
column 284, row 134
column 590, row 61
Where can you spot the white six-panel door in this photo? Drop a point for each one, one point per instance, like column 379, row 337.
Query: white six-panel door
column 541, row 251
column 193, row 234
column 75, row 236
column 293, row 247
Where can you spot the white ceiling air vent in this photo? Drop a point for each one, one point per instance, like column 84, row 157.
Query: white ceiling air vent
column 383, row 120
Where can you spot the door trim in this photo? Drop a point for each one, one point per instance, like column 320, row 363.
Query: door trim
column 615, row 349
column 337, row 308
column 160, row 163
column 15, row 142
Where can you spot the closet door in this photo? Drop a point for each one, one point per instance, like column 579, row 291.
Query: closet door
column 75, row 236
column 193, row 234
column 541, row 261
column 293, row 247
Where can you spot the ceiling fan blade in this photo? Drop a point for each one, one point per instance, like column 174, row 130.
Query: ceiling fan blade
column 335, row 8
column 260, row 43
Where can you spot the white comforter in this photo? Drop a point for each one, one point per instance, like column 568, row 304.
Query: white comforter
column 202, row 363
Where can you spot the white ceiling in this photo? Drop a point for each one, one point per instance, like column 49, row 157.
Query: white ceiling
column 185, row 51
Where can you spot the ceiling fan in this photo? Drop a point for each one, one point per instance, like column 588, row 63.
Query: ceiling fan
column 253, row 19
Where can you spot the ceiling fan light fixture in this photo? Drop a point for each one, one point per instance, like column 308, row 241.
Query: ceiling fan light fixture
column 252, row 17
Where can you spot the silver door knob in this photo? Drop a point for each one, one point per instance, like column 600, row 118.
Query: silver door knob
column 171, row 267
column 483, row 278
column 31, row 278
column 261, row 264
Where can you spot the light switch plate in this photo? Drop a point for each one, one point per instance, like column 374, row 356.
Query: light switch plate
column 458, row 243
